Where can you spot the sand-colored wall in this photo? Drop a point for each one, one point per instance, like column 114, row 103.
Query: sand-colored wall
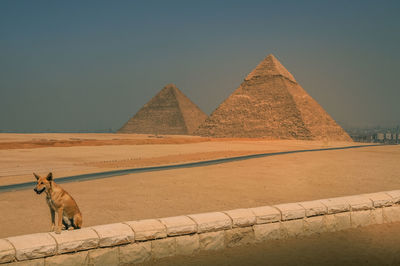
column 138, row 241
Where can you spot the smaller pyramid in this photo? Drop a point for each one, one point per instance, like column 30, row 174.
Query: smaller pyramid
column 170, row 112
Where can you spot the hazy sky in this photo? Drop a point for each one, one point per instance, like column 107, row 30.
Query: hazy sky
column 91, row 65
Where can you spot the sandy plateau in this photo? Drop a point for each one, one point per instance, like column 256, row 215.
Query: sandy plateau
column 249, row 183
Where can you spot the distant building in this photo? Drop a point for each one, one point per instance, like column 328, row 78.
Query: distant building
column 380, row 137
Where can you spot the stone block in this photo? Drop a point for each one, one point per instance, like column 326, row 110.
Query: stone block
column 33, row 246
column 211, row 221
column 362, row 218
column 291, row 211
column 148, row 229
column 378, row 215
column 104, row 256
column 395, row 194
column 314, row 225
column 162, row 248
column 269, row 231
column 359, row 203
column 343, row 221
column 391, row 214
column 135, row 253
column 7, row 252
column 336, row 205
column 187, row 245
column 338, row 221
column 34, row 262
column 179, row 225
column 380, row 199
column 77, row 258
column 75, row 240
column 314, row 208
column 266, row 214
column 293, row 228
column 212, row 240
column 241, row 217
column 239, row 236
column 114, row 234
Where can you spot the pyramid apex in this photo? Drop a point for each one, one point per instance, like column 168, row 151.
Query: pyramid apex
column 270, row 66
column 170, row 86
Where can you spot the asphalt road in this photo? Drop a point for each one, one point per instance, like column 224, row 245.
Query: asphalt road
column 107, row 174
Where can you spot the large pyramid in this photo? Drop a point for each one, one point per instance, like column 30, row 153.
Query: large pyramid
column 270, row 103
column 170, row 112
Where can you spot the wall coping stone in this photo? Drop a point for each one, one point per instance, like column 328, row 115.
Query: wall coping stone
column 380, row 199
column 241, row 217
column 211, row 221
column 179, row 225
column 336, row 205
column 266, row 214
column 291, row 211
column 314, row 208
column 148, row 229
column 7, row 251
column 359, row 202
column 33, row 246
column 75, row 240
column 395, row 194
column 114, row 234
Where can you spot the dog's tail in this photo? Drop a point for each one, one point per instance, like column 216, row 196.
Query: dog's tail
column 78, row 220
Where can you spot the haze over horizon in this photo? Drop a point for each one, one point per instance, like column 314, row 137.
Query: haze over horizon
column 67, row 66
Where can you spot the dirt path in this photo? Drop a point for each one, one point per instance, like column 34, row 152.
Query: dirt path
column 373, row 245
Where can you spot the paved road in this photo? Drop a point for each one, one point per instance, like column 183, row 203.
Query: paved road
column 106, row 174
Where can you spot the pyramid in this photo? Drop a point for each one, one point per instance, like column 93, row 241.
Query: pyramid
column 270, row 103
column 170, row 112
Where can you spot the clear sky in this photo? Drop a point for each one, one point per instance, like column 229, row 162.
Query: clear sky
column 91, row 65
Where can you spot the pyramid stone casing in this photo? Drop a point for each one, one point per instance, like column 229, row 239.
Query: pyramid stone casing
column 270, row 103
column 170, row 112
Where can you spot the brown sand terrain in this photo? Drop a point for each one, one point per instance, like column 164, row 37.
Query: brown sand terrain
column 372, row 245
column 71, row 154
column 250, row 183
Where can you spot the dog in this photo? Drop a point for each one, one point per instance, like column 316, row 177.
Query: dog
column 59, row 201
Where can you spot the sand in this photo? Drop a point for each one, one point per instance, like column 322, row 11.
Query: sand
column 71, row 154
column 250, row 183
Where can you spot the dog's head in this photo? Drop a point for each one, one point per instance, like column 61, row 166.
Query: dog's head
column 43, row 183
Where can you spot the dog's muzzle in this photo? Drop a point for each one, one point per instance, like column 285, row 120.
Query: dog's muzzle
column 39, row 191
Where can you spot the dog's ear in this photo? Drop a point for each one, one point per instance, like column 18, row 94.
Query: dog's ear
column 49, row 176
column 37, row 177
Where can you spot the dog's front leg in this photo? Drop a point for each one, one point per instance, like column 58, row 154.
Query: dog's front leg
column 53, row 216
column 59, row 219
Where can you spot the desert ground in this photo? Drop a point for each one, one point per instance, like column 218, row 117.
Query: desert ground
column 249, row 183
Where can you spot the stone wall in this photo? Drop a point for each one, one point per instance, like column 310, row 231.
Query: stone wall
column 138, row 241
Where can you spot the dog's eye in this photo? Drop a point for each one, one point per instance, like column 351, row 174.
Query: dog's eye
column 41, row 183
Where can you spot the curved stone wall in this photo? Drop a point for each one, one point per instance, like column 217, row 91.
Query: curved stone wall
column 138, row 241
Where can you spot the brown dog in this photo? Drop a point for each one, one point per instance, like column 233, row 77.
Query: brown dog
column 59, row 201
